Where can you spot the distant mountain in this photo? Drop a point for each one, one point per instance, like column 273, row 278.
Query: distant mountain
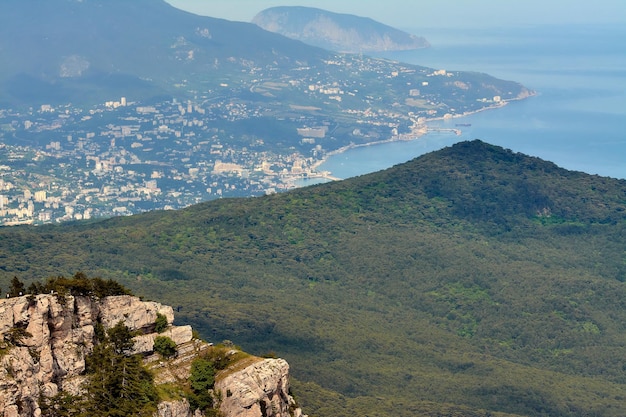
column 69, row 50
column 90, row 51
column 472, row 281
column 334, row 31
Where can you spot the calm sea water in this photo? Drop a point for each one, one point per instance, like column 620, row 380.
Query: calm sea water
column 577, row 119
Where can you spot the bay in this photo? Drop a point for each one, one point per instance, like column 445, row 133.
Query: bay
column 577, row 119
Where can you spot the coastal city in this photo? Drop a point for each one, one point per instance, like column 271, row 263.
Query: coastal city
column 149, row 158
column 65, row 163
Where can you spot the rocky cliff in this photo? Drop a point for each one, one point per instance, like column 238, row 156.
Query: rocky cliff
column 261, row 388
column 337, row 32
column 45, row 339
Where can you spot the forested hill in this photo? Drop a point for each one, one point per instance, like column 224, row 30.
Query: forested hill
column 487, row 184
column 470, row 281
column 139, row 48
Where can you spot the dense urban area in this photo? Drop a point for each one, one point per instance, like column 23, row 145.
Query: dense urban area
column 65, row 162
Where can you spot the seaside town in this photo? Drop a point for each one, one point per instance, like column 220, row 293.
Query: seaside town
column 149, row 157
column 63, row 163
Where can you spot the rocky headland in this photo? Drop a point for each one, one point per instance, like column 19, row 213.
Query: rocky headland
column 335, row 31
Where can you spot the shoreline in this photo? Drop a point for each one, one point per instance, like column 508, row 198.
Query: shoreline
column 420, row 130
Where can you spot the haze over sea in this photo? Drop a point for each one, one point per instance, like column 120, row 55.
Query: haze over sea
column 577, row 119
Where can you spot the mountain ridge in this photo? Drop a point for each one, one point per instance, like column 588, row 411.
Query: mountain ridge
column 169, row 45
column 335, row 31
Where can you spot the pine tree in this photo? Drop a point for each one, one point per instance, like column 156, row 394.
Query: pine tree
column 118, row 384
column 17, row 287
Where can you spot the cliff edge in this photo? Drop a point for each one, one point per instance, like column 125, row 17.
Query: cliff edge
column 45, row 341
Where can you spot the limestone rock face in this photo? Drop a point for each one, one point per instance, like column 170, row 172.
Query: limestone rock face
column 176, row 409
column 44, row 344
column 259, row 390
column 44, row 340
column 136, row 314
column 179, row 334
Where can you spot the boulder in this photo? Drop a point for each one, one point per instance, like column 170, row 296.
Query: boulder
column 179, row 334
column 259, row 390
column 136, row 314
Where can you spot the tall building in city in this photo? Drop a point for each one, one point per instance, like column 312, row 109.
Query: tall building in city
column 40, row 196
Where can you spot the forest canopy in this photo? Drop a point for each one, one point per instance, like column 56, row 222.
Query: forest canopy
column 470, row 281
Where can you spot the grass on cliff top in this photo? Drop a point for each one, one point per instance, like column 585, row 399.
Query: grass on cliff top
column 226, row 360
column 171, row 392
column 241, row 360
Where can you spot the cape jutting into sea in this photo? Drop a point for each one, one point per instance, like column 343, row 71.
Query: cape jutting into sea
column 577, row 119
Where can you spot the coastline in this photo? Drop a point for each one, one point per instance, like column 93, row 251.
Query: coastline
column 417, row 132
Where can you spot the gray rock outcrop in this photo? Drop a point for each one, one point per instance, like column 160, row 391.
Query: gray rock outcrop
column 45, row 339
column 260, row 389
column 180, row 408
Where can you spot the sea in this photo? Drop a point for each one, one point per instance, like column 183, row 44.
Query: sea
column 577, row 119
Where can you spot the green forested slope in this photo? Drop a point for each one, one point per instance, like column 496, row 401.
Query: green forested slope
column 469, row 281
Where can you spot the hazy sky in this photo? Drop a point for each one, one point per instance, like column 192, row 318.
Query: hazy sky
column 431, row 13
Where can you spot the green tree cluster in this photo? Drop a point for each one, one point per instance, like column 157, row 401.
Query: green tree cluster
column 160, row 324
column 164, row 346
column 78, row 285
column 201, row 381
column 17, row 288
column 15, row 336
column 202, row 376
